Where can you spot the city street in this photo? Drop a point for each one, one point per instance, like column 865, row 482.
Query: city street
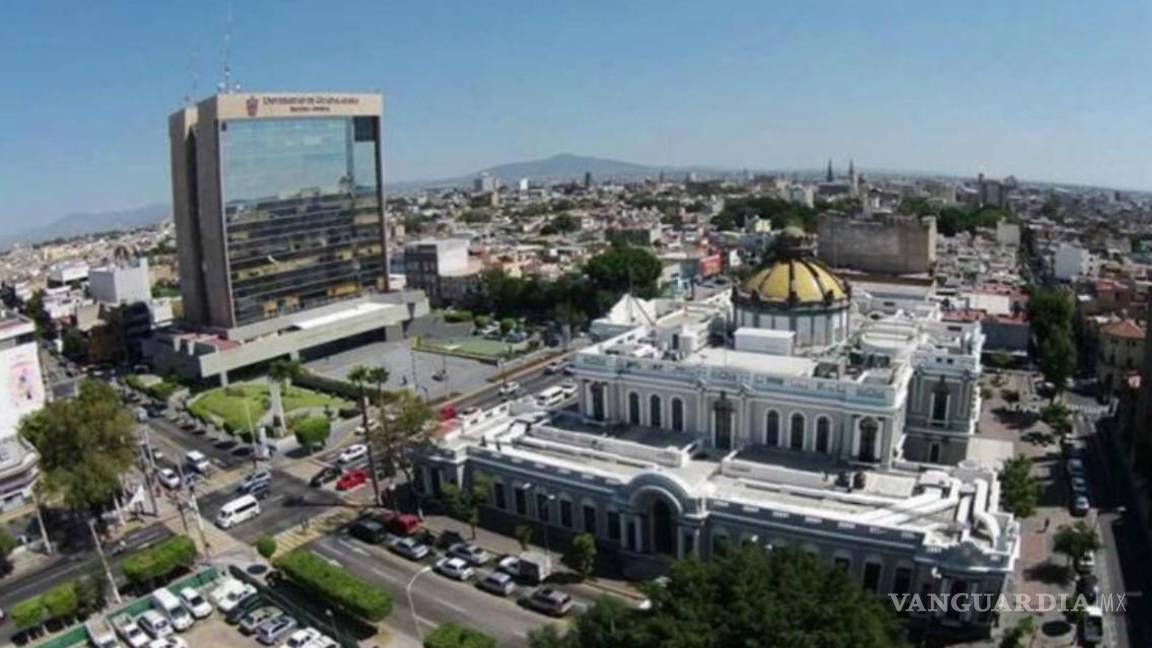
column 291, row 502
column 70, row 567
column 436, row 598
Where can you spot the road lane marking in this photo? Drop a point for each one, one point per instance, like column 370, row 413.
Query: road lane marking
column 352, row 547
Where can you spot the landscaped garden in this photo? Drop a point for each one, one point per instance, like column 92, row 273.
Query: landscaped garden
column 237, row 407
column 470, row 347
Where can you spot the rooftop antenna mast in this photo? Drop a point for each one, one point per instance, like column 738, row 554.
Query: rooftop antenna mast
column 194, row 72
column 226, row 87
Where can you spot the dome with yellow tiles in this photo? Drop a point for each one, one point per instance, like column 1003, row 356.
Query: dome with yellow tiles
column 796, row 282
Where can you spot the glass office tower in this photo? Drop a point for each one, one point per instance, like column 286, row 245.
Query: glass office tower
column 283, row 204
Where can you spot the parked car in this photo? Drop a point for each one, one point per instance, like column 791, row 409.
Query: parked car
column 253, row 479
column 260, row 490
column 471, row 553
column 1089, row 587
column 548, row 600
column 509, row 565
column 230, row 593
column 352, row 453
column 410, row 548
column 168, row 642
column 197, row 461
column 1080, row 506
column 510, row 388
column 195, row 602
column 1074, row 466
column 368, row 530
column 352, row 479
column 130, row 632
column 304, row 638
column 256, row 618
column 498, row 583
column 1079, row 485
column 156, row 624
column 400, row 524
column 272, row 630
column 1087, row 564
column 455, row 568
column 169, row 478
column 1092, row 625
column 326, row 474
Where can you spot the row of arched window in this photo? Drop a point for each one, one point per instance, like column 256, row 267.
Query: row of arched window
column 656, row 411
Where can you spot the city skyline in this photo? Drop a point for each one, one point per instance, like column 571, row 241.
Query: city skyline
column 902, row 87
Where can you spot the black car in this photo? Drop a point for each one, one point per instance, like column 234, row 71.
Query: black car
column 260, row 490
column 242, row 608
column 326, row 474
column 1089, row 587
column 368, row 530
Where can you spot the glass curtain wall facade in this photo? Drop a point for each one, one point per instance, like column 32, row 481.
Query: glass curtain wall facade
column 302, row 212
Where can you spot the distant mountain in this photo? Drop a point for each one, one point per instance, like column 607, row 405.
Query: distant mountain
column 83, row 223
column 559, row 168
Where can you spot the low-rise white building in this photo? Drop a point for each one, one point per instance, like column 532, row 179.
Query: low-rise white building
column 120, row 283
column 1070, row 262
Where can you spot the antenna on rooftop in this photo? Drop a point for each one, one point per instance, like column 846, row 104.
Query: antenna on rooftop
column 194, row 73
column 226, row 87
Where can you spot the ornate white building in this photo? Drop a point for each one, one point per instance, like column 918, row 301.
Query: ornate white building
column 791, row 411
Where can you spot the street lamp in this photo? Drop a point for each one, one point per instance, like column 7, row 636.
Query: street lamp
column 412, row 604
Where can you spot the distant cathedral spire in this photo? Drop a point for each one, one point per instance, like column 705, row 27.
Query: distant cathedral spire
column 851, row 167
column 829, row 176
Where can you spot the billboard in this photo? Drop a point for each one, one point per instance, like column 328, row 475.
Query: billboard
column 21, row 386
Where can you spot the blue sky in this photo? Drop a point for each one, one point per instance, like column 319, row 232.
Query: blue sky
column 1050, row 90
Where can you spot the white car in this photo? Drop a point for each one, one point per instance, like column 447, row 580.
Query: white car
column 303, row 638
column 168, row 642
column 130, row 632
column 168, row 477
column 456, row 568
column 195, row 602
column 353, row 453
column 410, row 548
column 510, row 388
column 471, row 553
column 509, row 565
column 230, row 593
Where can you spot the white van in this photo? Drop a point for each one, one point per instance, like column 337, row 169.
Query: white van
column 155, row 624
column 166, row 603
column 238, row 510
column 551, row 396
column 1092, row 625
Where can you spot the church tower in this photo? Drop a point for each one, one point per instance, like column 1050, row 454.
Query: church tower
column 829, row 177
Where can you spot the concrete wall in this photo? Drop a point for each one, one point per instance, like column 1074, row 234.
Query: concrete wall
column 885, row 245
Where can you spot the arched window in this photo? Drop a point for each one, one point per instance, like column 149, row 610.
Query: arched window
column 797, row 429
column 940, row 402
column 634, row 408
column 598, row 411
column 823, row 434
column 677, row 415
column 772, row 429
column 655, row 409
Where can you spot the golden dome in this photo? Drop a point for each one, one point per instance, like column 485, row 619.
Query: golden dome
column 796, row 281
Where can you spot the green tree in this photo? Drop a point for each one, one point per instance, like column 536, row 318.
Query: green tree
column 281, row 373
column 1076, row 541
column 90, row 593
column 450, row 635
column 746, row 597
column 1016, row 636
column 465, row 503
column 1019, row 489
column 312, row 432
column 74, row 345
column 624, row 268
column 29, row 614
column 266, row 545
column 523, row 533
column 34, row 309
column 1058, row 360
column 8, row 544
column 507, row 325
column 581, row 555
column 85, row 445
column 405, row 424
column 61, row 601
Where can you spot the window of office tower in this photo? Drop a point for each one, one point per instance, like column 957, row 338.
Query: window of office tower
column 301, row 211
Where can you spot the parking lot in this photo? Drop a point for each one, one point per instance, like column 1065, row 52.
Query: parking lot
column 439, row 374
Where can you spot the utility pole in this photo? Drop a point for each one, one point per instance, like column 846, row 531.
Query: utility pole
column 191, row 503
column 368, row 444
column 149, row 470
column 40, row 522
column 104, row 561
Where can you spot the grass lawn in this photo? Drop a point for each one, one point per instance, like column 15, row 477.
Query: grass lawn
column 473, row 346
column 228, row 403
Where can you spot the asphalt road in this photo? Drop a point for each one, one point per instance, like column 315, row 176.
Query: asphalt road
column 530, row 383
column 436, row 598
column 1124, row 549
column 70, row 567
column 174, row 441
column 291, row 501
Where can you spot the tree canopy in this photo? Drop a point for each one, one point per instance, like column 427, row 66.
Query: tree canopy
column 85, row 445
column 951, row 219
column 745, row 597
column 782, row 213
column 1018, row 488
column 625, row 268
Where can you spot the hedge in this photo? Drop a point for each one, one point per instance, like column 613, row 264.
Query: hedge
column 457, row 316
column 158, row 561
column 29, row 614
column 61, row 602
column 336, row 586
column 266, row 546
column 312, row 431
column 450, row 635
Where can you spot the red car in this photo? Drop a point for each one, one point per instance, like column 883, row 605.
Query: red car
column 401, row 524
column 352, row 479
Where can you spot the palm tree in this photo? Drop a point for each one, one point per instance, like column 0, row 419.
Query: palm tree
column 360, row 376
column 281, row 373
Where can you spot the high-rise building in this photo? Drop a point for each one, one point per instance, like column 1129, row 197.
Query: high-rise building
column 21, row 393
column 278, row 204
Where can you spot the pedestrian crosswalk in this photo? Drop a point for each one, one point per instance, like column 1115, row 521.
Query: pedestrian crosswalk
column 311, row 529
